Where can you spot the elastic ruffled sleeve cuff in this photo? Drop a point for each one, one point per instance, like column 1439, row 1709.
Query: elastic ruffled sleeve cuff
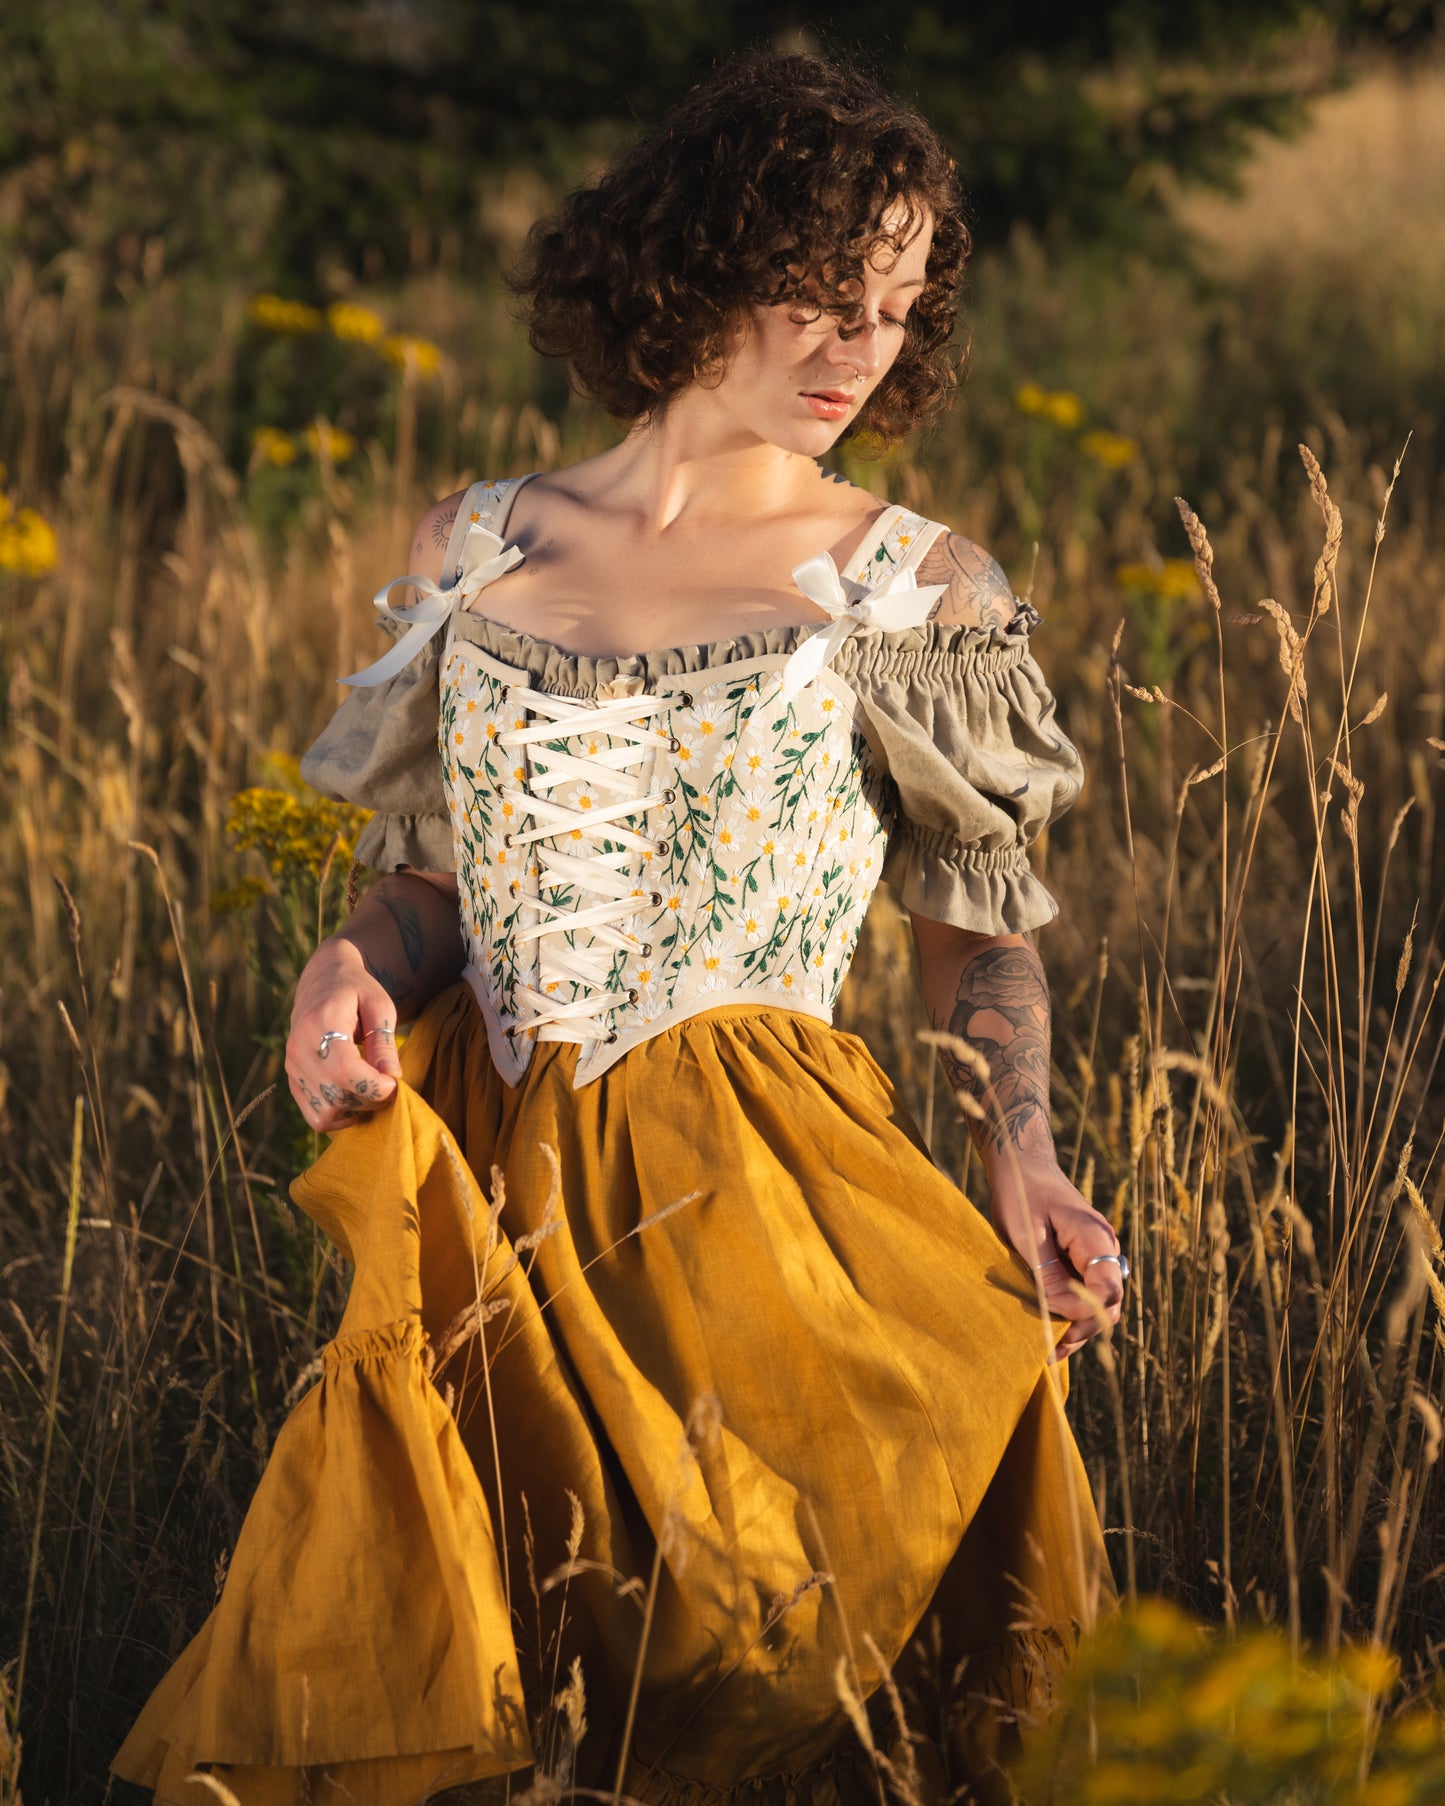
column 935, row 874
column 423, row 842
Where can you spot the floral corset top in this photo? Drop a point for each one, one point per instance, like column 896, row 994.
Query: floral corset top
column 637, row 840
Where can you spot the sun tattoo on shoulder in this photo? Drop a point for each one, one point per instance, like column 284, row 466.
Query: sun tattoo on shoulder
column 978, row 592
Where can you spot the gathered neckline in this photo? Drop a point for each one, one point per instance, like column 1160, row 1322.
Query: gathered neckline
column 778, row 639
column 688, row 650
column 869, row 653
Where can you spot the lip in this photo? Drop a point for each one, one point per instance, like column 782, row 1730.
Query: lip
column 828, row 404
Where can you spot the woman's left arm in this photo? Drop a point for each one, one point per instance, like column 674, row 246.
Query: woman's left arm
column 990, row 991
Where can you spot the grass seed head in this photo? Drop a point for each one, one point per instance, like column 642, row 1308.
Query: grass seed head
column 1203, row 551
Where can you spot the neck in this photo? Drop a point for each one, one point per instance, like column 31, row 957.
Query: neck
column 690, row 466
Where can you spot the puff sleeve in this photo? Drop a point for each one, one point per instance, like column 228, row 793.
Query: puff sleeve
column 380, row 750
column 962, row 722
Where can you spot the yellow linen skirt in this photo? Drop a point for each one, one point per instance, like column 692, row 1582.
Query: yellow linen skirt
column 728, row 1396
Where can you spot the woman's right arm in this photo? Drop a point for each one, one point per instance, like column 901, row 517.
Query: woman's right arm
column 401, row 945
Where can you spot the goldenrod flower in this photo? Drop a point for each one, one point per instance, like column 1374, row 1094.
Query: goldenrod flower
column 349, row 321
column 285, row 768
column 339, row 445
column 1177, row 1712
column 1112, row 450
column 238, row 896
column 269, row 445
column 293, row 833
column 276, row 314
column 1060, row 406
column 28, row 545
column 1171, row 580
column 417, row 355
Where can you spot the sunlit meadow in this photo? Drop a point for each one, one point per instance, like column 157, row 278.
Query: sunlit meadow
column 195, row 509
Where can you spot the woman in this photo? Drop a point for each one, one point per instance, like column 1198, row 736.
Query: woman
column 728, row 1391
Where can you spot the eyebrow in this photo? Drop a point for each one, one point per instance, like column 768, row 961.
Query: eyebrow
column 915, row 282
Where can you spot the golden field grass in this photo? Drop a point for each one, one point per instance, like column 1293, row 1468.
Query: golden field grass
column 1246, row 969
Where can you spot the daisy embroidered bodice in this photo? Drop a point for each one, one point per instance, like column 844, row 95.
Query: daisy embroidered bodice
column 629, row 858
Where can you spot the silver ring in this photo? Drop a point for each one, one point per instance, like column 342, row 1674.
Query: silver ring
column 390, row 1033
column 1047, row 1263
column 323, row 1052
column 1120, row 1260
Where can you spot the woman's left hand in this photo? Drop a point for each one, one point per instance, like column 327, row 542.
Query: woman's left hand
column 1066, row 1242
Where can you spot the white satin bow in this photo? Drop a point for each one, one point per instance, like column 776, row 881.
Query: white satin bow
column 896, row 602
column 424, row 618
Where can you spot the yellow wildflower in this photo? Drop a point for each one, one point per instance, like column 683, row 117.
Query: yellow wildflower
column 1112, row 450
column 339, row 446
column 28, row 545
column 1170, row 580
column 1370, row 1668
column 419, row 356
column 285, row 768
column 1060, row 406
column 273, row 313
column 349, row 321
column 293, row 832
column 238, row 896
column 269, row 445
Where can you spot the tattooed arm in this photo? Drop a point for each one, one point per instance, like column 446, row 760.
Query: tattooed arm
column 978, row 594
column 407, row 931
column 990, row 992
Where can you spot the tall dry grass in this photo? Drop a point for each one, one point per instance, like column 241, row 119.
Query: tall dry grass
column 1246, row 973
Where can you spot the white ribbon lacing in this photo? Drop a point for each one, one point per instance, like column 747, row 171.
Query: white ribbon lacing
column 895, row 603
column 611, row 769
column 428, row 615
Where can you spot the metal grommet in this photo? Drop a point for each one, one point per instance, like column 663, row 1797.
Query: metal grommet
column 647, row 949
column 669, row 796
column 673, row 743
column 686, row 699
column 632, row 997
column 664, row 846
column 657, row 899
column 506, row 691
column 612, row 1037
column 506, row 840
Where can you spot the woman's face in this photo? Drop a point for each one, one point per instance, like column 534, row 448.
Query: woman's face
column 797, row 383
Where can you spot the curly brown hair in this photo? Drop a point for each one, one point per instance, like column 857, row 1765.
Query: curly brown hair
column 769, row 183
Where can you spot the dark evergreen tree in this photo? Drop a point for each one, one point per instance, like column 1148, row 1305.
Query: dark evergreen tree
column 266, row 137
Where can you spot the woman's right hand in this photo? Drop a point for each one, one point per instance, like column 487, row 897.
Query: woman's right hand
column 355, row 1075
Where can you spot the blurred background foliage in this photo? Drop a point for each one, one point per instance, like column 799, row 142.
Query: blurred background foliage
column 178, row 153
column 252, row 323
column 303, row 142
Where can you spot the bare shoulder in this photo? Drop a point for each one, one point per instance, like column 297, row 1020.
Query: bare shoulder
column 434, row 529
column 978, row 593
